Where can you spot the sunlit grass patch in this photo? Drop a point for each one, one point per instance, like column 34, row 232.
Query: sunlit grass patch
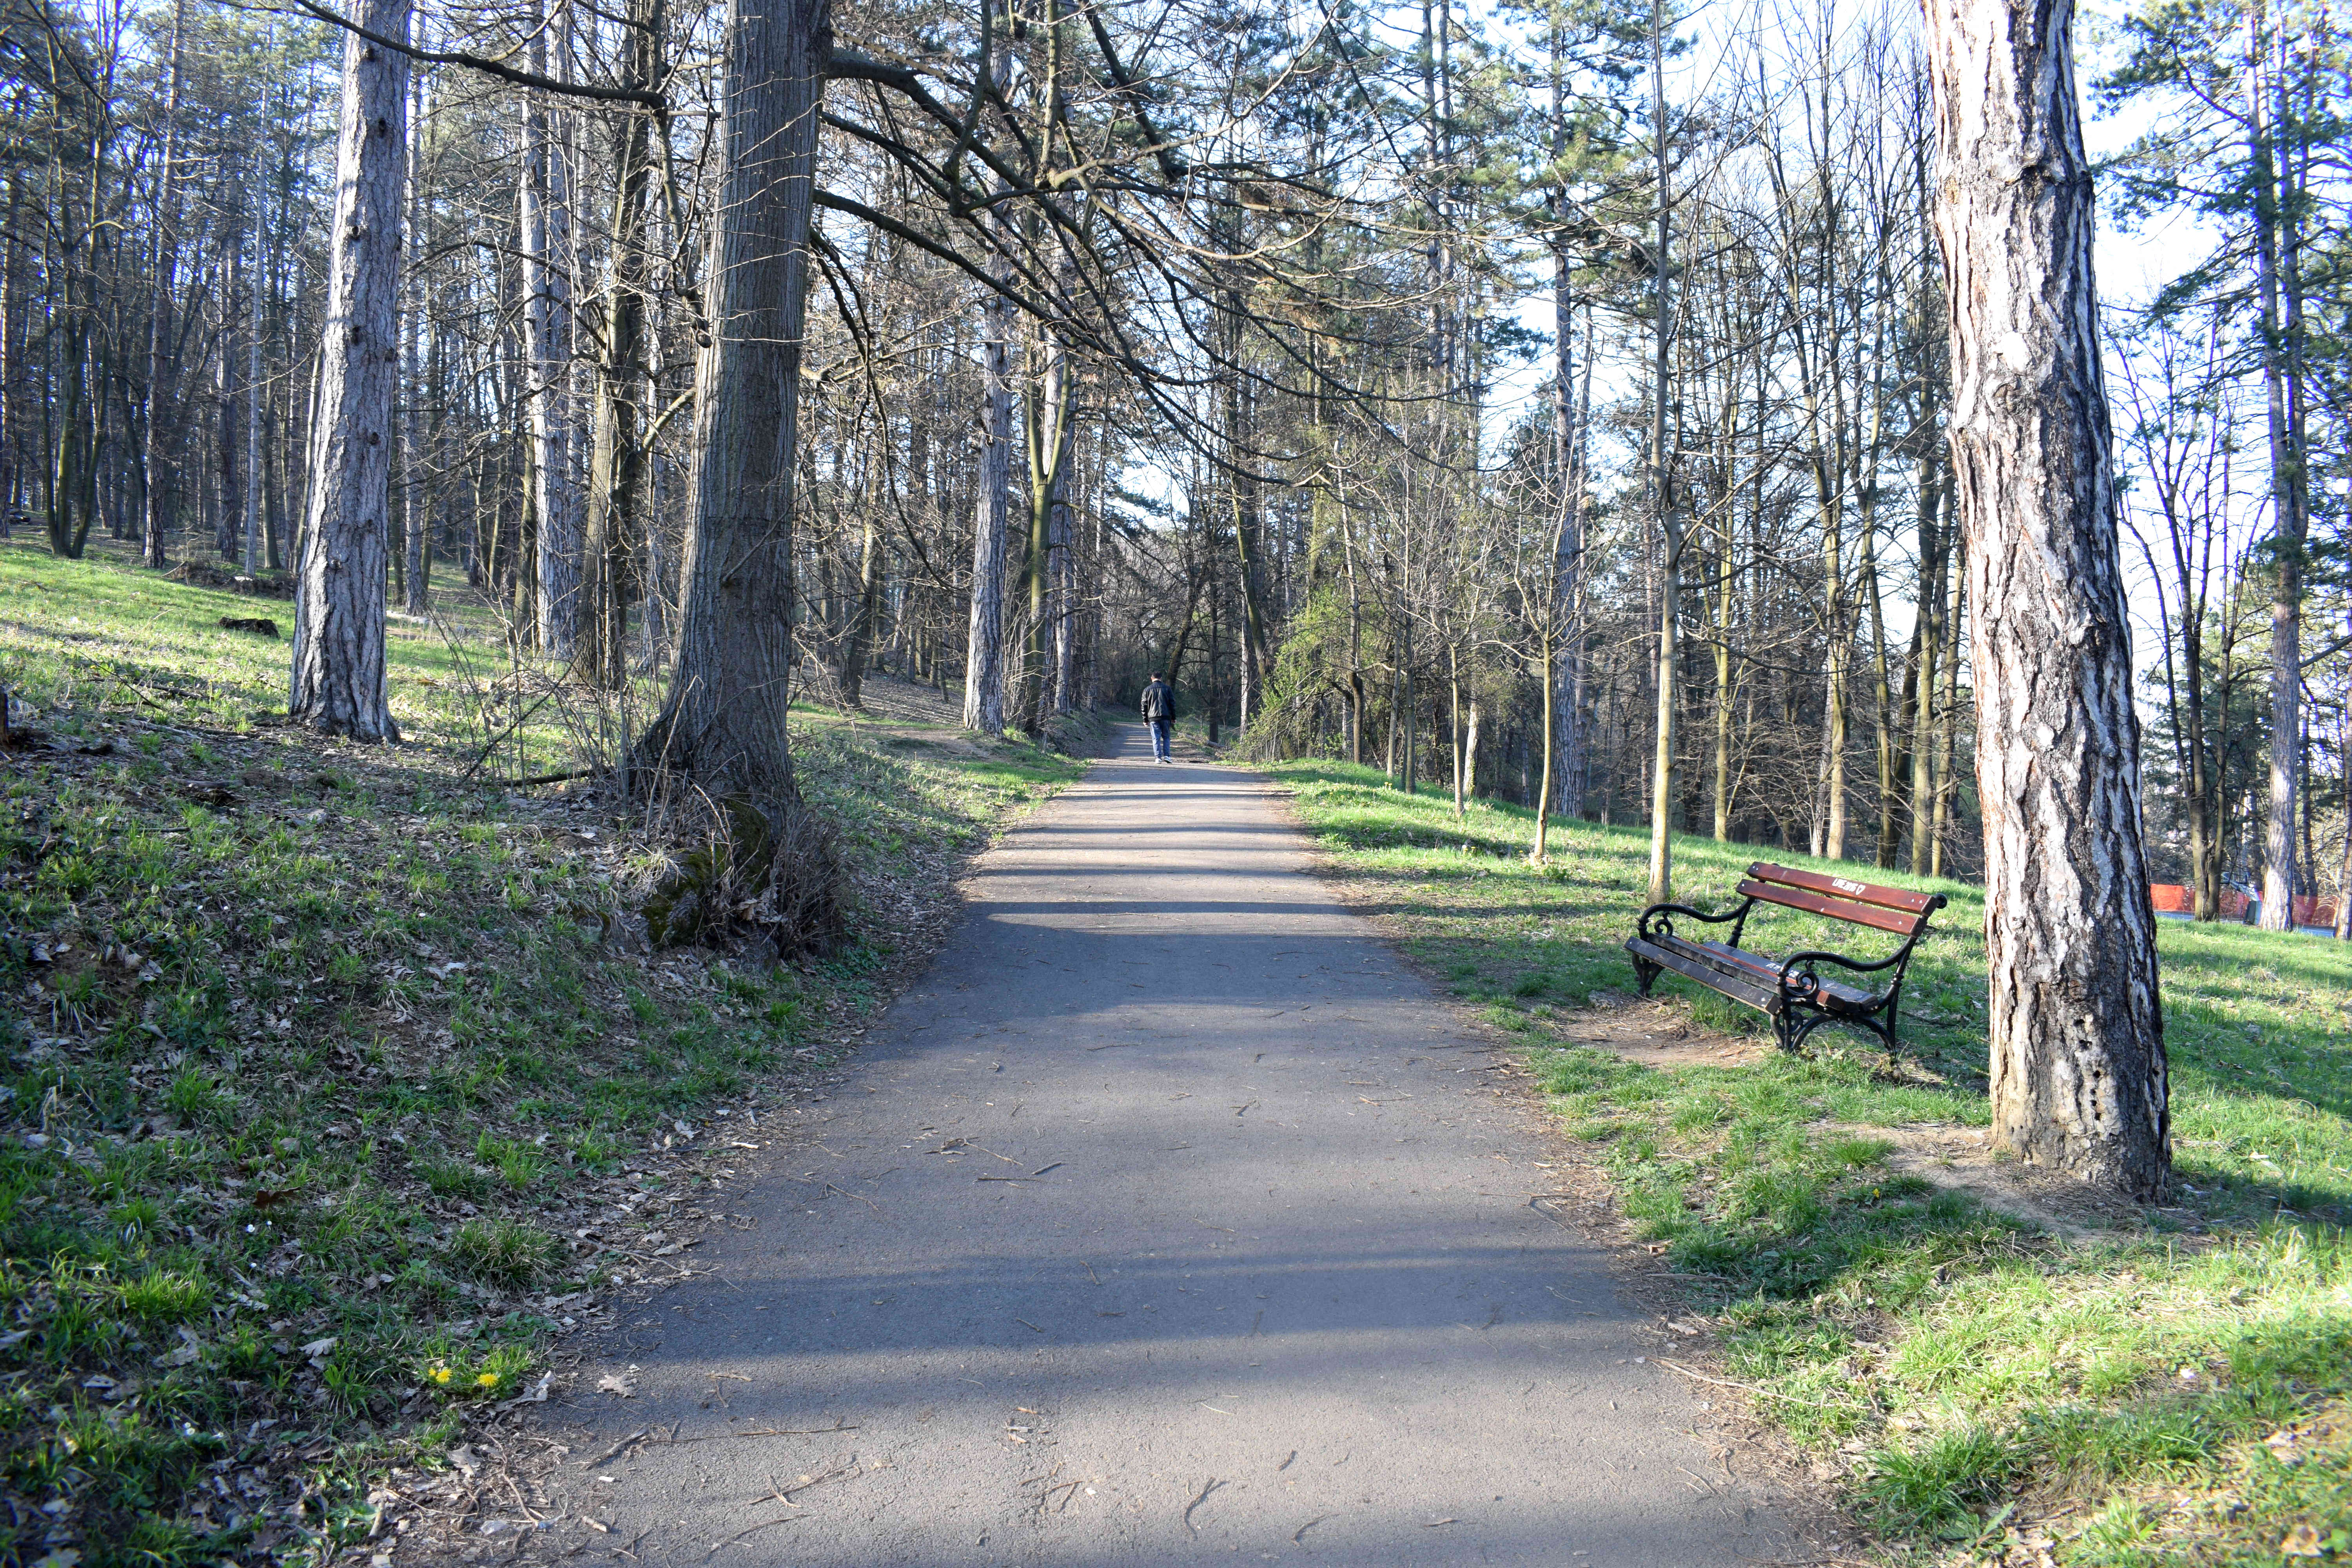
column 1981, row 1385
column 318, row 1062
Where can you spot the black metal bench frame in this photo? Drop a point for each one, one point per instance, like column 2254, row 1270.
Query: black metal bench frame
column 1790, row 991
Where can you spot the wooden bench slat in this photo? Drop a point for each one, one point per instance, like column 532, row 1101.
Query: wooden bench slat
column 1894, row 921
column 1767, row 970
column 1843, row 888
column 1764, row 998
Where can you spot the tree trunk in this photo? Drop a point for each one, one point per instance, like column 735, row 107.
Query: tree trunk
column 160, row 520
column 1932, row 556
column 1670, row 543
column 255, row 399
column 338, row 683
column 983, row 668
column 2290, row 502
column 724, row 721
column 616, row 455
column 1049, row 427
column 2077, row 1033
column 415, row 496
column 547, row 328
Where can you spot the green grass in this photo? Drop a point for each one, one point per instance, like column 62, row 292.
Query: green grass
column 315, row 1060
column 2175, row 1387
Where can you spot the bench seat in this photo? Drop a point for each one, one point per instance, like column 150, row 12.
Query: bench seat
column 1790, row 990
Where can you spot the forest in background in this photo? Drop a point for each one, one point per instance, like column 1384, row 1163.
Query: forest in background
column 1202, row 342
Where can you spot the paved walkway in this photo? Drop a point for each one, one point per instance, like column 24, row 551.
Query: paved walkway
column 1167, row 1219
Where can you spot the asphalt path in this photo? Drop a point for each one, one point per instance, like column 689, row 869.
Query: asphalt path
column 1167, row 1218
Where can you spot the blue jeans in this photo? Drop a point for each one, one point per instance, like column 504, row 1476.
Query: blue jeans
column 1160, row 729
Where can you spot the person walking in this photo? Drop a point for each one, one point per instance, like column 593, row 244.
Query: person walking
column 1159, row 713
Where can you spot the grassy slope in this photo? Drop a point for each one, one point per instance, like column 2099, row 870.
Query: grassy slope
column 331, row 1090
column 1974, row 1383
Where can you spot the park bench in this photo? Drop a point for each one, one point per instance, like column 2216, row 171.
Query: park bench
column 1790, row 991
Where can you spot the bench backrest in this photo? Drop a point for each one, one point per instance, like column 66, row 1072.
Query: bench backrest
column 1895, row 910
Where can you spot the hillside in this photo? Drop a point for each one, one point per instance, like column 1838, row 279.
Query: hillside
column 340, row 1086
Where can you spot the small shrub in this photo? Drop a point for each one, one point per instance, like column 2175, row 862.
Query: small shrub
column 450, row 1178
column 167, row 1296
column 193, row 1096
column 519, row 1164
column 501, row 1252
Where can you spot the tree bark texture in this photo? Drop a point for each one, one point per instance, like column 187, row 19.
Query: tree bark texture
column 616, row 462
column 2077, row 1035
column 338, row 683
column 547, row 327
column 984, row 683
column 724, row 721
column 162, row 365
column 2290, row 494
column 1662, row 472
column 416, row 491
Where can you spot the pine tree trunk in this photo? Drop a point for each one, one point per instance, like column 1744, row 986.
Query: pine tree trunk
column 547, row 326
column 983, row 678
column 1670, row 543
column 616, row 459
column 256, row 400
column 2077, row 1036
column 2290, row 497
column 159, row 517
column 338, row 683
column 724, row 722
column 415, row 496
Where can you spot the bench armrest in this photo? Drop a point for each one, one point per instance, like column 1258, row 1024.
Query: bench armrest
column 1658, row 919
column 1798, row 981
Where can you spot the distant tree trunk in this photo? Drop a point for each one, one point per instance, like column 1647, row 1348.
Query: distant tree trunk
column 257, row 398
column 2290, row 490
column 616, row 456
column 415, row 496
column 1049, row 427
column 1066, row 596
column 1470, row 754
column 1948, row 727
column 338, row 683
column 547, row 326
column 159, row 517
column 723, row 723
column 858, row 645
column 1661, row 470
column 983, row 668
column 1561, row 640
column 2077, row 1033
column 2344, row 864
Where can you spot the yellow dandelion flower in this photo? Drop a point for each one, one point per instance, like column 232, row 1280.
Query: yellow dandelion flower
column 487, row 1380
column 440, row 1374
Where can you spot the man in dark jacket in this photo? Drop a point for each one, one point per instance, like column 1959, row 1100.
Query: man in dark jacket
column 1159, row 713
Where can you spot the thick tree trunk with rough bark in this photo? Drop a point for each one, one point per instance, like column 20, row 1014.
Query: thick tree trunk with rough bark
column 338, row 682
column 2077, row 1036
column 984, row 679
column 724, row 722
